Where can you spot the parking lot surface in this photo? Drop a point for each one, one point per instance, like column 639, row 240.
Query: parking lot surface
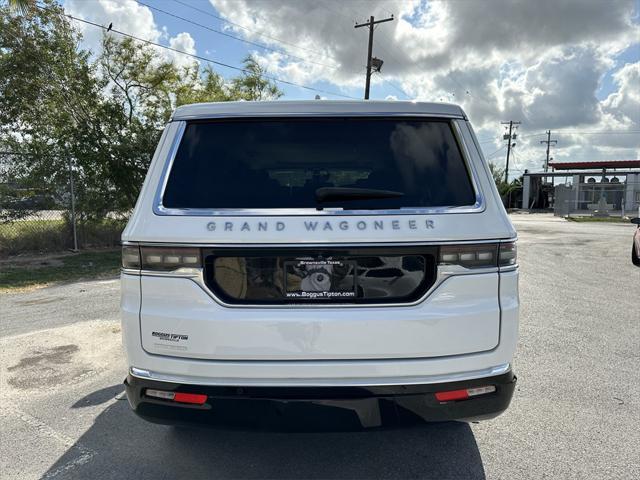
column 575, row 414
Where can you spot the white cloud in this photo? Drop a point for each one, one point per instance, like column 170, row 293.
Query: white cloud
column 126, row 16
column 184, row 43
column 622, row 107
column 130, row 17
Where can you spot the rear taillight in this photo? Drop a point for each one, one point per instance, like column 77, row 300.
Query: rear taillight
column 167, row 259
column 480, row 255
column 131, row 257
column 508, row 254
column 164, row 259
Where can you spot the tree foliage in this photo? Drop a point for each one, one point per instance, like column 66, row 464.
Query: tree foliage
column 504, row 188
column 252, row 85
column 102, row 114
column 21, row 6
column 49, row 95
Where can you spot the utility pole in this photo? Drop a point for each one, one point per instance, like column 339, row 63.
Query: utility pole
column 510, row 136
column 371, row 24
column 548, row 141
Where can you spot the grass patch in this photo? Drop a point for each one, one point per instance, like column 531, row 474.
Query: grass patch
column 39, row 235
column 34, row 236
column 598, row 219
column 18, row 273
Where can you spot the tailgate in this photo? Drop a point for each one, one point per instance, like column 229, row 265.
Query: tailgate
column 460, row 316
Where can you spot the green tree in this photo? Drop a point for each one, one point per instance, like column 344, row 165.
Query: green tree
column 104, row 117
column 252, row 85
column 497, row 173
column 147, row 88
column 504, row 189
column 48, row 96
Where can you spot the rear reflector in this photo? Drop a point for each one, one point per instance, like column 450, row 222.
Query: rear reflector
column 452, row 395
column 195, row 398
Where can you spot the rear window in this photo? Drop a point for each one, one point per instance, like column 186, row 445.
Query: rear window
column 281, row 163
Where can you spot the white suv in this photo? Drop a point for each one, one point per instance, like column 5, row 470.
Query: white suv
column 352, row 255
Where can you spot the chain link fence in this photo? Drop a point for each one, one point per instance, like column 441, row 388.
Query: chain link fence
column 600, row 199
column 37, row 217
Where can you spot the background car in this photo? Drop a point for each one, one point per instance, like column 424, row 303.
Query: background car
column 635, row 247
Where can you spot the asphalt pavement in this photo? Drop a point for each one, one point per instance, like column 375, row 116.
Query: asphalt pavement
column 575, row 414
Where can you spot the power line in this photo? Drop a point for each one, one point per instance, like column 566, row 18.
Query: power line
column 531, row 135
column 515, row 162
column 492, row 154
column 397, row 87
column 595, row 132
column 602, row 132
column 234, row 37
column 204, row 59
column 222, row 19
column 560, row 132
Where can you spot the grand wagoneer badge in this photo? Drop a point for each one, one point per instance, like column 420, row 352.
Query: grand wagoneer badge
column 324, row 225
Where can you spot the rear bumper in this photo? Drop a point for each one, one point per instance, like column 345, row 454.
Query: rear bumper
column 320, row 408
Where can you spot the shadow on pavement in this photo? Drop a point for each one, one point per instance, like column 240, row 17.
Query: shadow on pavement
column 99, row 396
column 126, row 446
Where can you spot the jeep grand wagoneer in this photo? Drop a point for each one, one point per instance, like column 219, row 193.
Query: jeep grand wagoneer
column 351, row 255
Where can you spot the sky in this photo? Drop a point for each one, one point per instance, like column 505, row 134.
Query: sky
column 571, row 66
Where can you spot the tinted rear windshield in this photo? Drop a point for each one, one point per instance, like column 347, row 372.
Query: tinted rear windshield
column 282, row 163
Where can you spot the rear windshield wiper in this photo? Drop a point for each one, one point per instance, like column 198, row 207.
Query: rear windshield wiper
column 332, row 194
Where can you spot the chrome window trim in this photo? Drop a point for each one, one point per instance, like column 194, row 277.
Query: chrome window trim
column 320, row 245
column 478, row 207
column 158, row 208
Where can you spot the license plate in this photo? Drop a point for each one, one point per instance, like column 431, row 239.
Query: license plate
column 320, row 279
